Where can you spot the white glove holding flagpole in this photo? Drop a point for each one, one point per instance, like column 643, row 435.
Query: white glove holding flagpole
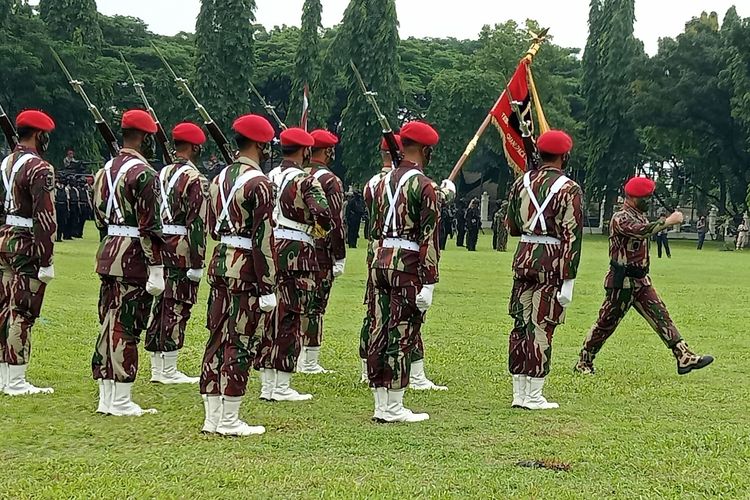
column 565, row 295
column 448, row 185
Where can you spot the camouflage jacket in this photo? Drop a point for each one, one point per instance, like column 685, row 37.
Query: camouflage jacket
column 250, row 216
column 32, row 195
column 368, row 194
column 629, row 238
column 498, row 220
column 138, row 196
column 303, row 201
column 416, row 218
column 186, row 206
column 563, row 218
column 332, row 247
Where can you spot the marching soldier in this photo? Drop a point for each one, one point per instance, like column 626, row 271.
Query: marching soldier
column 242, row 276
column 26, row 247
column 129, row 262
column 628, row 284
column 184, row 207
column 62, row 207
column 545, row 210
column 403, row 271
column 473, row 223
column 330, row 251
column 302, row 215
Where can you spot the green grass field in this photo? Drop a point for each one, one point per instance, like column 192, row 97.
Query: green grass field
column 635, row 430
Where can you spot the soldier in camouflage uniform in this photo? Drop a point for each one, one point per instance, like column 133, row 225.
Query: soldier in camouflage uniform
column 242, row 275
column 26, row 247
column 499, row 229
column 403, row 271
column 184, row 206
column 129, row 262
column 628, row 284
column 331, row 250
column 545, row 210
column 302, row 215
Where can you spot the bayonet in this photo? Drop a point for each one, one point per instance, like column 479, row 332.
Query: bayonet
column 271, row 110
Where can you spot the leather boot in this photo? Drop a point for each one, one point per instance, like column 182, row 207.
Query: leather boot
column 230, row 423
column 106, row 392
column 687, row 361
column 16, row 384
column 395, row 411
column 267, row 381
column 123, row 405
column 585, row 365
column 212, row 409
column 419, row 381
column 282, row 391
column 170, row 375
column 534, row 399
column 309, row 361
column 519, row 391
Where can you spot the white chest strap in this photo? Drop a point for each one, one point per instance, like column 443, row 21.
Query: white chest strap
column 539, row 215
column 390, row 218
column 167, row 187
column 282, row 180
column 112, row 202
column 226, row 200
column 319, row 174
column 8, row 179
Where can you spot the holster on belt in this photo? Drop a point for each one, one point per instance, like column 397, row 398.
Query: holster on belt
column 621, row 272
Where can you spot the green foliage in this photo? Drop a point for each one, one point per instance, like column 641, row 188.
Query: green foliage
column 307, row 61
column 74, row 21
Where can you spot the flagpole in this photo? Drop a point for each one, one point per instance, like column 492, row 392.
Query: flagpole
column 537, row 42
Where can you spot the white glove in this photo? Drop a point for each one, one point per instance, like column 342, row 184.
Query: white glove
column 448, row 185
column 338, row 268
column 46, row 274
column 424, row 297
column 267, row 303
column 565, row 295
column 195, row 275
column 155, row 284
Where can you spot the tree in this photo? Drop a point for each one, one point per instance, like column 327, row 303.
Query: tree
column 74, row 21
column 307, row 59
column 224, row 56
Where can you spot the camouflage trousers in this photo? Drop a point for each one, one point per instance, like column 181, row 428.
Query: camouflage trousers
column 171, row 312
column 21, row 297
column 395, row 331
column 618, row 302
column 124, row 308
column 282, row 337
column 312, row 319
column 233, row 320
column 536, row 313
column 501, row 240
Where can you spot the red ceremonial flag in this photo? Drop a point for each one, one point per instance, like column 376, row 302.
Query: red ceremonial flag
column 507, row 122
column 305, row 107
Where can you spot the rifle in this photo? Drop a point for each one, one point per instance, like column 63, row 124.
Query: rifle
column 532, row 154
column 388, row 134
column 271, row 110
column 161, row 136
column 101, row 124
column 216, row 134
column 9, row 131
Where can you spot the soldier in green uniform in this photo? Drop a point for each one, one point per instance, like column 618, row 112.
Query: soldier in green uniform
column 545, row 211
column 26, row 247
column 628, row 284
column 500, row 232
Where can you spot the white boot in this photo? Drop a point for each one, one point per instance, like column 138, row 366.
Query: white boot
column 364, row 378
column 106, row 392
column 212, row 408
column 3, row 375
column 157, row 367
column 381, row 403
column 308, row 362
column 16, row 385
column 267, row 381
column 519, row 391
column 395, row 411
column 282, row 391
column 230, row 423
column 170, row 375
column 534, row 399
column 123, row 405
column 419, row 381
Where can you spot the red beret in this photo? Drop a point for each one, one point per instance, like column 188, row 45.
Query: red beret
column 555, row 142
column 138, row 119
column 324, row 139
column 640, row 187
column 421, row 133
column 296, row 137
column 384, row 143
column 36, row 120
column 188, row 132
column 254, row 127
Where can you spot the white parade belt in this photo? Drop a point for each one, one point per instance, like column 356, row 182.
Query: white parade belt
column 539, row 240
column 400, row 243
column 285, row 233
column 238, row 242
column 123, row 231
column 16, row 221
column 173, row 230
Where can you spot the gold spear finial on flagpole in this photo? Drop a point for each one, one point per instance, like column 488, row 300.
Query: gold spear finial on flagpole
column 537, row 40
